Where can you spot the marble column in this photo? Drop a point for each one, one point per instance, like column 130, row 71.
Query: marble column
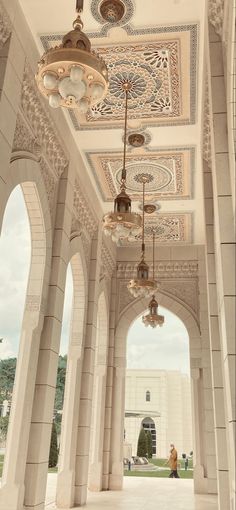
column 117, row 426
column 224, row 235
column 42, row 415
column 12, row 61
column 222, row 468
column 70, row 415
column 200, row 479
column 85, row 410
column 109, row 382
column 96, row 458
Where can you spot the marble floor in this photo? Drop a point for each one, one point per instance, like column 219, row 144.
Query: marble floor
column 143, row 493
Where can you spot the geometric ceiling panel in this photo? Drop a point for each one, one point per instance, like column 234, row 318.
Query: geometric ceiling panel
column 153, row 62
column 168, row 173
column 169, row 228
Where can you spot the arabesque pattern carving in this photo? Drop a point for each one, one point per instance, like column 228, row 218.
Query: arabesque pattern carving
column 165, row 269
column 169, row 173
column 216, row 15
column 206, row 141
column 176, row 278
column 108, row 263
column 153, row 72
column 42, row 125
column 5, row 26
column 50, row 182
column 25, row 142
column 169, row 228
column 83, row 212
column 24, row 139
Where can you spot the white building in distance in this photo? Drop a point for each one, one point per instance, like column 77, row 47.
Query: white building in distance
column 166, row 393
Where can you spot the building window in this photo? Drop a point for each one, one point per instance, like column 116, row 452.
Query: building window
column 148, row 396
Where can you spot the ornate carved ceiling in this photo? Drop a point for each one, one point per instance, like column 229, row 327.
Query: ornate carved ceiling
column 152, row 62
column 169, row 173
column 155, row 45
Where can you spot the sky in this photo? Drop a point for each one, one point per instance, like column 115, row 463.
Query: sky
column 164, row 348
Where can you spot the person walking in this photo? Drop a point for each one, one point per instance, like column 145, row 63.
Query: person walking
column 172, row 461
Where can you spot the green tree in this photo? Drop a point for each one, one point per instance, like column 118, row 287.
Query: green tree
column 60, row 388
column 7, row 376
column 149, row 443
column 4, row 420
column 142, row 444
column 53, row 455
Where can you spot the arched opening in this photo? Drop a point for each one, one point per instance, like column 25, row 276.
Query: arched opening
column 30, row 319
column 158, row 359
column 127, row 318
column 148, row 425
column 15, row 255
column 96, row 468
column 72, row 336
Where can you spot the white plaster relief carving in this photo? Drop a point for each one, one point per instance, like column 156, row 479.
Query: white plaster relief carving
column 77, row 230
column 186, row 290
column 34, row 303
column 216, row 15
column 83, row 212
column 42, row 126
column 169, row 269
column 108, row 263
column 24, row 139
column 25, row 142
column 183, row 290
column 206, row 142
column 195, row 362
column 5, row 26
column 50, row 182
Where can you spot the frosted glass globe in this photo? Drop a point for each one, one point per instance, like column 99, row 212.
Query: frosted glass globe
column 68, row 88
column 97, row 90
column 76, row 74
column 54, row 100
column 83, row 104
column 50, row 81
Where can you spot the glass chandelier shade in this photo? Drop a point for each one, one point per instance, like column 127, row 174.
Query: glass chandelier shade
column 142, row 286
column 152, row 318
column 122, row 223
column 71, row 75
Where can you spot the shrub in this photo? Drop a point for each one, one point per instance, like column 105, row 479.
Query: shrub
column 53, row 455
column 149, row 443
column 142, row 444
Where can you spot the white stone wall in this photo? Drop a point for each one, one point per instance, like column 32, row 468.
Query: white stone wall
column 170, row 396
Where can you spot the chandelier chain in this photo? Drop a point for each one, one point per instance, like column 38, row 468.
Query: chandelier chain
column 143, row 243
column 79, row 5
column 153, row 254
column 123, row 177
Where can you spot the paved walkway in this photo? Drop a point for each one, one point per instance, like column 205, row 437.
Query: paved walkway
column 143, row 494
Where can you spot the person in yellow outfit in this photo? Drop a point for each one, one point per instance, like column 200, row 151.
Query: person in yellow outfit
column 172, row 461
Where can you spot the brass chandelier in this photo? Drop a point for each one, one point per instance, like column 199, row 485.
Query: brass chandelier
column 153, row 318
column 71, row 75
column 142, row 286
column 122, row 223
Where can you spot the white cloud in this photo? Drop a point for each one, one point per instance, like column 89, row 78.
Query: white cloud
column 65, row 331
column 15, row 252
column 164, row 348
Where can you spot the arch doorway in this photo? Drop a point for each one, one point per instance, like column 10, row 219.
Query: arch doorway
column 158, row 385
column 148, row 424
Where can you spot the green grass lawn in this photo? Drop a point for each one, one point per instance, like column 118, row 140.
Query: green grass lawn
column 157, row 462
column 164, row 473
